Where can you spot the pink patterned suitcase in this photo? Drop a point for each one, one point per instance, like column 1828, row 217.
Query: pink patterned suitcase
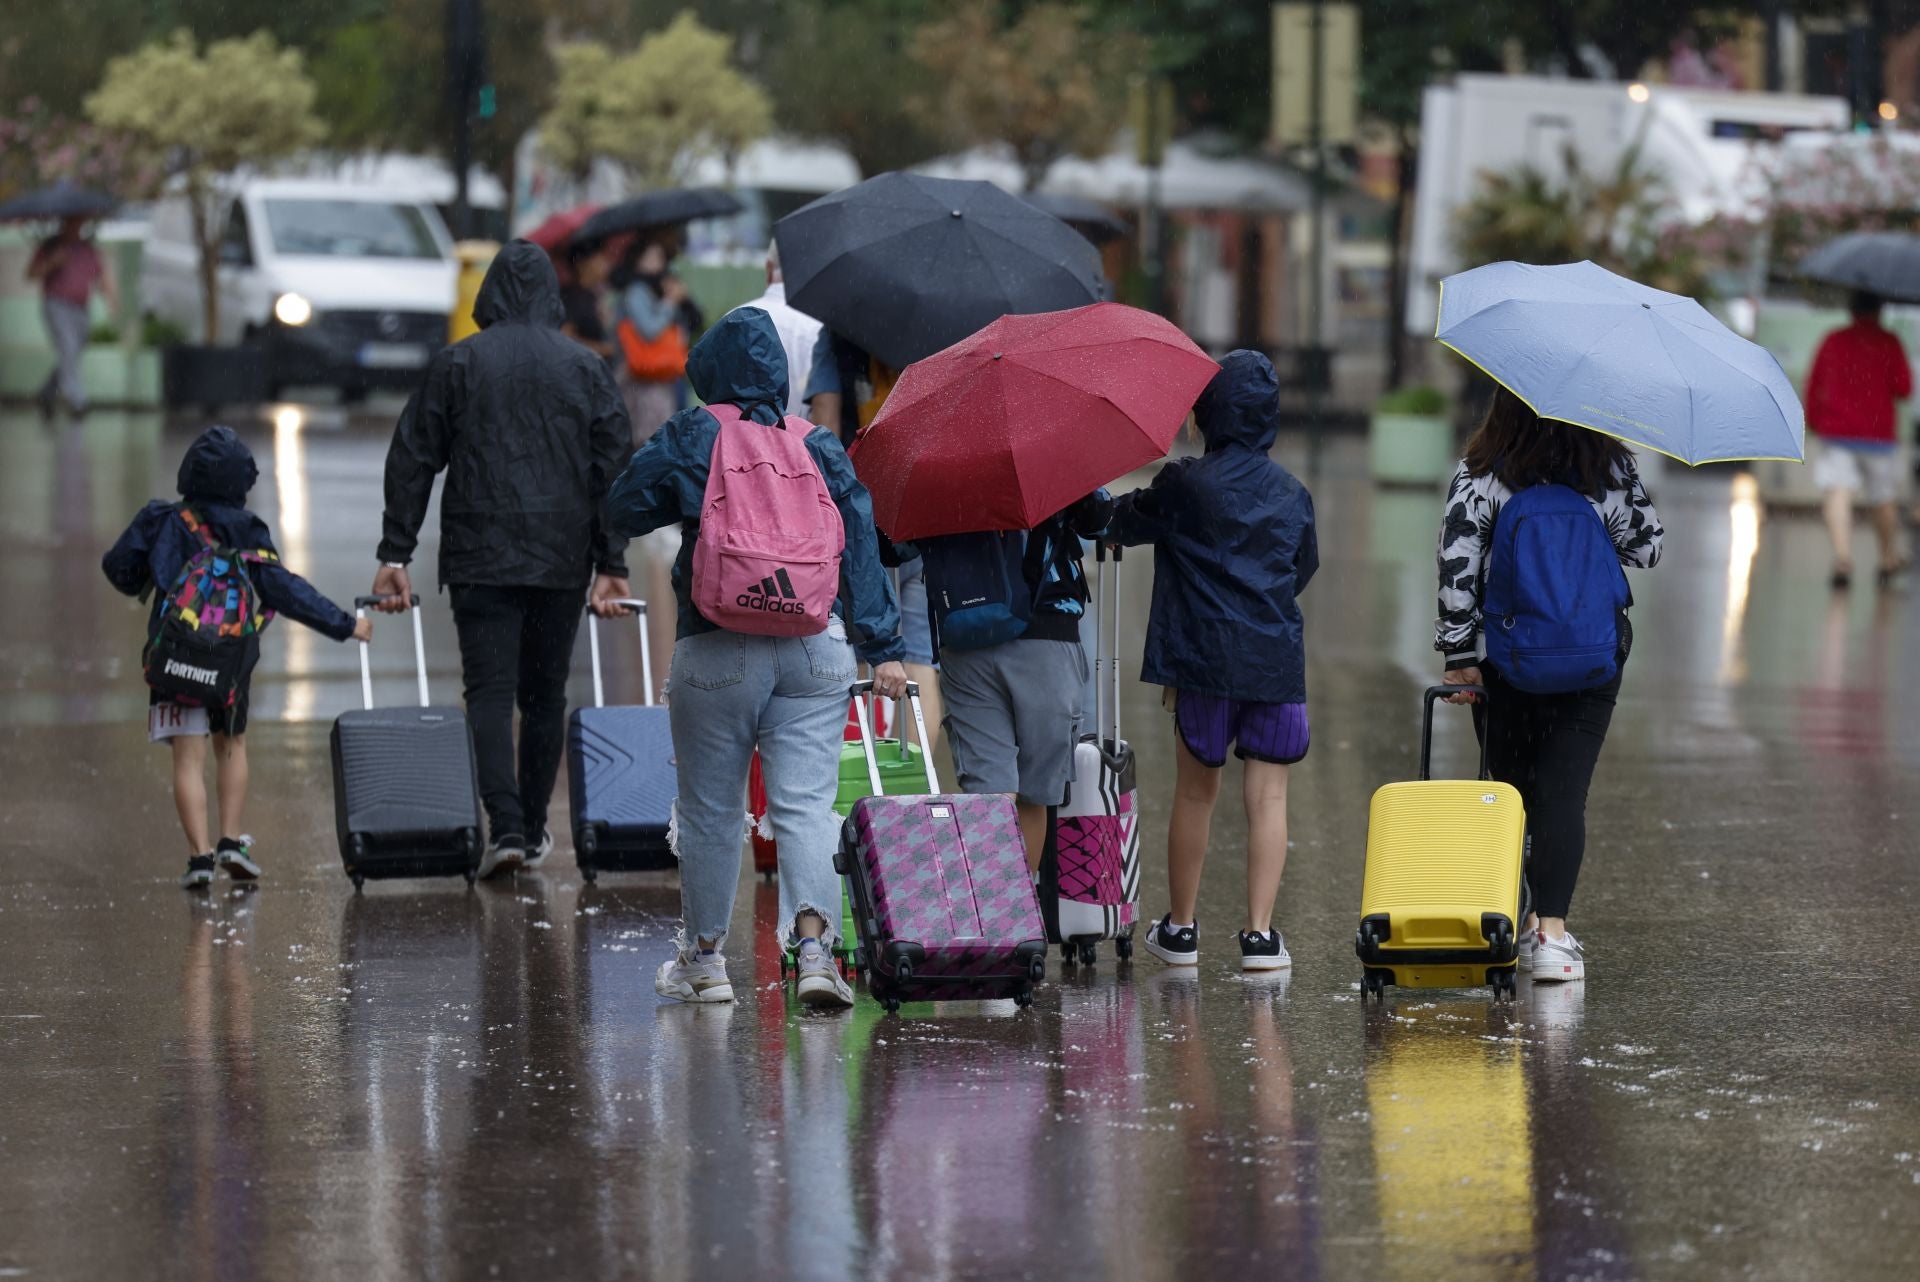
column 942, row 900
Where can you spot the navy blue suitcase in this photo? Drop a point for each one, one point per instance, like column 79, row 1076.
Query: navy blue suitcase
column 621, row 775
column 406, row 793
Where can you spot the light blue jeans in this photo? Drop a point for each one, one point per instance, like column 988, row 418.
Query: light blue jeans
column 787, row 695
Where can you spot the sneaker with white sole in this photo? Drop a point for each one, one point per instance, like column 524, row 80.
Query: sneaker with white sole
column 1174, row 945
column 235, row 855
column 1529, row 940
column 821, row 983
column 1263, row 950
column 199, row 873
column 537, row 853
column 694, row 977
column 504, row 856
column 1558, row 961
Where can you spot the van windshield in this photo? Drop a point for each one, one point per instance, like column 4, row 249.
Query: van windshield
column 350, row 229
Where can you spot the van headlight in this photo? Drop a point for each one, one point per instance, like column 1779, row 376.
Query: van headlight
column 292, row 309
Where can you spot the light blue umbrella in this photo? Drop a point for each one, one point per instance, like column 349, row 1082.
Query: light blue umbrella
column 1578, row 343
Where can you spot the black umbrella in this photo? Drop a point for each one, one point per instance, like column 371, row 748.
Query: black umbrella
column 905, row 265
column 62, row 200
column 658, row 209
column 1090, row 218
column 1886, row 263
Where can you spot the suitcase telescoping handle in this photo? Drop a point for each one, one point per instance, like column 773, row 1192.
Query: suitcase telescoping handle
column 857, row 693
column 639, row 609
column 360, row 607
column 1106, row 645
column 1434, row 695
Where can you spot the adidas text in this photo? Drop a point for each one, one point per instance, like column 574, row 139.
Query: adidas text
column 205, row 676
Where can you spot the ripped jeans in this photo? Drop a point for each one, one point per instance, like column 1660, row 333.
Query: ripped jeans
column 788, row 695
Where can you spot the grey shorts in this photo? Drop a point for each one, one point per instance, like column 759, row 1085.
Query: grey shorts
column 1013, row 716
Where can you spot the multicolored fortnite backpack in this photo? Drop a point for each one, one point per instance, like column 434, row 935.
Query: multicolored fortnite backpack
column 198, row 651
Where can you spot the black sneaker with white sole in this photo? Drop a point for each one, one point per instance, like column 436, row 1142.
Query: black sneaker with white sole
column 537, row 851
column 1176, row 946
column 504, row 856
column 199, row 873
column 236, row 856
column 1263, row 950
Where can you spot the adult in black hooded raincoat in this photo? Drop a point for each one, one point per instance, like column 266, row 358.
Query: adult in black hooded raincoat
column 530, row 430
column 1233, row 540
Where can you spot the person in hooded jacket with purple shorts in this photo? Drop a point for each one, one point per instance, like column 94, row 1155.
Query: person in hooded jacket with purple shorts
column 1234, row 545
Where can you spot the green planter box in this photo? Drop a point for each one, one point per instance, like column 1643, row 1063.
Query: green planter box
column 103, row 370
column 1410, row 449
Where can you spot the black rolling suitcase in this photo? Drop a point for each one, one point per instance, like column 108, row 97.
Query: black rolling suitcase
column 621, row 777
column 405, row 794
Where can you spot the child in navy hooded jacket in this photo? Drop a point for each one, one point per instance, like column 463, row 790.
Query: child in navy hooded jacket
column 1234, row 545
column 214, row 479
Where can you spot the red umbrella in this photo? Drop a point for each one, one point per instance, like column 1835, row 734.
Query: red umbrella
column 552, row 234
column 1026, row 417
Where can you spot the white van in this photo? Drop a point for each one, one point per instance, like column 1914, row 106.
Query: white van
column 347, row 285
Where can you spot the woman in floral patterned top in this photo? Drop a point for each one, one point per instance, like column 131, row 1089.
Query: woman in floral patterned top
column 1546, row 745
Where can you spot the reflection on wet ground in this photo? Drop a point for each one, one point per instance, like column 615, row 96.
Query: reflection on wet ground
column 427, row 1082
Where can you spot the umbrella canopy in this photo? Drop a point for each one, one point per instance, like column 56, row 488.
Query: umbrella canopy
column 1026, row 417
column 1090, row 218
column 558, row 228
column 1580, row 344
column 905, row 265
column 62, row 200
column 1886, row 263
column 659, row 209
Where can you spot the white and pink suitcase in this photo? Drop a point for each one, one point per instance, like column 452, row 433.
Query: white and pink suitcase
column 1090, row 870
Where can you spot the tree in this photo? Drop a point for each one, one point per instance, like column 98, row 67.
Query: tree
column 243, row 102
column 1050, row 85
column 673, row 100
column 871, row 113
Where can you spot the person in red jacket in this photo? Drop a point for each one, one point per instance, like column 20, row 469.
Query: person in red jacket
column 1859, row 372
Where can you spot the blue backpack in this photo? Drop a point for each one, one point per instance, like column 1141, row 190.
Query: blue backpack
column 977, row 593
column 1554, row 593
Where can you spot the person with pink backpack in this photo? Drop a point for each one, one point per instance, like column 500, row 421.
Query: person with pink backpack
column 779, row 567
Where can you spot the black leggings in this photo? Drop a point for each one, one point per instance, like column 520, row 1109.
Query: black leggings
column 1546, row 745
column 515, row 648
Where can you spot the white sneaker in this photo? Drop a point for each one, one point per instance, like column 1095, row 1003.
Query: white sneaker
column 537, row 855
column 1529, row 940
column 821, row 983
column 1557, row 961
column 694, row 977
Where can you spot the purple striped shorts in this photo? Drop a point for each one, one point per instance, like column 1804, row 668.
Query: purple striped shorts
column 1272, row 732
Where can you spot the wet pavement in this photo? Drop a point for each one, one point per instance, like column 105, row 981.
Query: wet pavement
column 297, row 1082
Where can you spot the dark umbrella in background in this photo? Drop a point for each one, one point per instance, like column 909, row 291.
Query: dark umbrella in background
column 659, row 209
column 904, row 265
column 62, row 200
column 1886, row 263
column 1088, row 217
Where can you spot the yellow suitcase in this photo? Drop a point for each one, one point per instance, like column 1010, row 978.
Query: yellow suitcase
column 1441, row 905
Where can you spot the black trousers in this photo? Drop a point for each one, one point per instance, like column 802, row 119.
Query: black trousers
column 516, row 645
column 1547, row 745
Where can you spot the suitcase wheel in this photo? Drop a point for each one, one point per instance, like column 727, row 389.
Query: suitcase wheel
column 891, row 1003
column 1374, row 984
column 1123, row 948
column 1023, row 998
column 1088, row 952
column 587, row 871
column 1068, row 953
column 903, row 971
column 359, row 880
column 1037, row 970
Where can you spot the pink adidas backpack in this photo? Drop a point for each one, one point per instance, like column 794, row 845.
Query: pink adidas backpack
column 768, row 558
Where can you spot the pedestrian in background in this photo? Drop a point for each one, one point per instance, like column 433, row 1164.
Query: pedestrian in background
column 655, row 320
column 1234, row 545
column 1859, row 372
column 582, row 289
column 730, row 692
column 528, row 427
column 68, row 269
column 1545, row 745
column 162, row 540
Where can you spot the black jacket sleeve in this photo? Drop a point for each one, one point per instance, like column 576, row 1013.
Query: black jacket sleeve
column 1147, row 515
column 127, row 564
column 421, row 443
column 612, row 439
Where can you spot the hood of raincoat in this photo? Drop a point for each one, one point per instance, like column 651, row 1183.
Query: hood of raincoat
column 520, row 286
column 741, row 362
column 1241, row 406
column 218, row 468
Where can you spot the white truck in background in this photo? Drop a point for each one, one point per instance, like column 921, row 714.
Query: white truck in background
column 1712, row 147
